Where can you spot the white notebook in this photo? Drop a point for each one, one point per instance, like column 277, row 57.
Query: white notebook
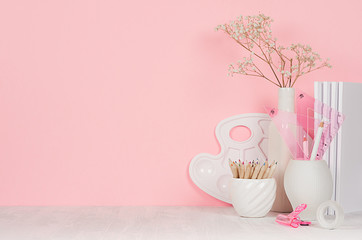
column 344, row 158
column 349, row 148
column 333, row 146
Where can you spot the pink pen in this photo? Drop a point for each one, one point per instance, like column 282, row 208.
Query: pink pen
column 293, row 219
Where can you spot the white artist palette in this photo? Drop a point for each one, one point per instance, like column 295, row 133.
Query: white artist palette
column 212, row 173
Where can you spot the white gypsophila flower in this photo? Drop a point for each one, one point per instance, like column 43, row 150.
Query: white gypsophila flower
column 254, row 33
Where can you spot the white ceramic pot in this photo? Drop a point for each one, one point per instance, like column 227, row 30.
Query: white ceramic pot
column 308, row 182
column 278, row 150
column 252, row 197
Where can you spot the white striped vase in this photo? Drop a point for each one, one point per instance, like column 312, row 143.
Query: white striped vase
column 252, row 197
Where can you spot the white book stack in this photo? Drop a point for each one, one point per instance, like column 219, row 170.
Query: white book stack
column 344, row 157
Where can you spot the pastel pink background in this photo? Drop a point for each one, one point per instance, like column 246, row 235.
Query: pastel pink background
column 106, row 102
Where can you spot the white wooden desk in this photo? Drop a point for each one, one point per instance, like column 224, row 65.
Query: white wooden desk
column 103, row 223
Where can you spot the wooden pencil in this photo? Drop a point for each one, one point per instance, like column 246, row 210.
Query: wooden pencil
column 247, row 171
column 253, row 165
column 256, row 171
column 237, row 168
column 272, row 170
column 262, row 170
column 251, row 169
column 266, row 173
column 242, row 170
column 234, row 170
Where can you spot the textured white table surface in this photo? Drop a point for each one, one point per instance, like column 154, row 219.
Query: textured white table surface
column 157, row 223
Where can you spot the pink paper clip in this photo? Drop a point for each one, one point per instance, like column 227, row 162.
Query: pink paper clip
column 293, row 218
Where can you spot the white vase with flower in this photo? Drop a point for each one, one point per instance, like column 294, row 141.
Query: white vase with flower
column 279, row 65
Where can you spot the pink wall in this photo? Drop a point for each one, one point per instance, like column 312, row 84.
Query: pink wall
column 106, row 102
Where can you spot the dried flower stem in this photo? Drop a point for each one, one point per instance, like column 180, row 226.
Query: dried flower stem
column 251, row 31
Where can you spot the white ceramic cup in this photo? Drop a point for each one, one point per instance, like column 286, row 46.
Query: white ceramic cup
column 308, row 182
column 252, row 197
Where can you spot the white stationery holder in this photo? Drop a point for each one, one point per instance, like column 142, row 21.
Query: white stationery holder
column 308, row 182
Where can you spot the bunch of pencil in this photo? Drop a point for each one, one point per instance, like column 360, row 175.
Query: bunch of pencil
column 252, row 170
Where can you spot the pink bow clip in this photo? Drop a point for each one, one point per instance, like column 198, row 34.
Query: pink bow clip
column 293, row 218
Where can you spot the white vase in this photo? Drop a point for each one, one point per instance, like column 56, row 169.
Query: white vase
column 252, row 197
column 278, row 151
column 308, row 182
